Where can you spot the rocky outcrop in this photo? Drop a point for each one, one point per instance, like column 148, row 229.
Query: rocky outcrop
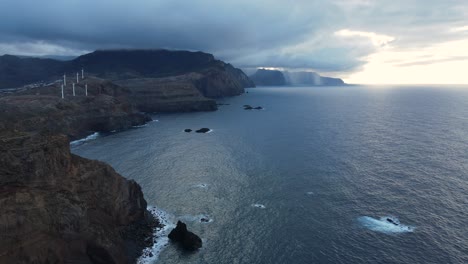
column 105, row 109
column 188, row 240
column 279, row 78
column 203, row 130
column 268, row 78
column 156, row 80
column 56, row 207
column 218, row 78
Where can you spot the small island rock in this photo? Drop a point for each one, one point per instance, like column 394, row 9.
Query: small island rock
column 188, row 240
column 203, row 130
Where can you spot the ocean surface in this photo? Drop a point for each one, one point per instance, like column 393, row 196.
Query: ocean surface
column 315, row 177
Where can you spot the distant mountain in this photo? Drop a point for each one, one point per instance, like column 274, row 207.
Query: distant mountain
column 279, row 78
column 268, row 78
column 216, row 77
column 54, row 57
column 16, row 71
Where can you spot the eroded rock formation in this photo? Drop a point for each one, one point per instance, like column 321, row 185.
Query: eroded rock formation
column 56, row 207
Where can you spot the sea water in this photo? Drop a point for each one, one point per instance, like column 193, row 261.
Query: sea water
column 312, row 178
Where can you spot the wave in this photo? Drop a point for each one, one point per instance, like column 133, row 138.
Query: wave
column 261, row 206
column 202, row 218
column 386, row 224
column 201, row 185
column 150, row 255
column 84, row 140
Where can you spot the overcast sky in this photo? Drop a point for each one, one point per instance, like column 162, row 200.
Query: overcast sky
column 362, row 41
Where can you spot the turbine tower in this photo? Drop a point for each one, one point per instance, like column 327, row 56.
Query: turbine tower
column 77, row 78
column 64, row 79
column 73, row 89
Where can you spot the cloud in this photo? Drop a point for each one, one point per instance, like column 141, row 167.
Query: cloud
column 376, row 39
column 336, row 36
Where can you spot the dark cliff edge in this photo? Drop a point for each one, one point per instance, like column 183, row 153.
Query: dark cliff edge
column 263, row 77
column 56, row 207
column 178, row 81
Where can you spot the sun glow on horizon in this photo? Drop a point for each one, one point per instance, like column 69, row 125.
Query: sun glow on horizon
column 444, row 63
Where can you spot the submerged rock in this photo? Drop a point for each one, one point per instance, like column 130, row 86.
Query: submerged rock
column 188, row 130
column 187, row 239
column 203, row 130
column 249, row 107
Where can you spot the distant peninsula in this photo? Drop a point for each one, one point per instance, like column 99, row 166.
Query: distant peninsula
column 264, row 77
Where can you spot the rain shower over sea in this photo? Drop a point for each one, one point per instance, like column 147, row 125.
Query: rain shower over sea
column 319, row 175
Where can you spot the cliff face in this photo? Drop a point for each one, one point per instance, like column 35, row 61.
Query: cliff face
column 278, row 78
column 169, row 94
column 56, row 207
column 311, row 78
column 268, row 78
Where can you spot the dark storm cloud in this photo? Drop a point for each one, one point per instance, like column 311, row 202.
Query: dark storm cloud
column 268, row 33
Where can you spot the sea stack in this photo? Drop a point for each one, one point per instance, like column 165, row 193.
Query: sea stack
column 188, row 240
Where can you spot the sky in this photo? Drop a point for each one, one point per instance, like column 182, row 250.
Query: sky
column 361, row 41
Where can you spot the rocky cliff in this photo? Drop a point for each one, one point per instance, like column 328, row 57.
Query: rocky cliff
column 311, row 78
column 178, row 81
column 278, row 78
column 105, row 109
column 264, row 77
column 56, row 207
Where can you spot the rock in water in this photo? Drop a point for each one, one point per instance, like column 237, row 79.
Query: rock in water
column 203, row 130
column 187, row 239
column 188, row 130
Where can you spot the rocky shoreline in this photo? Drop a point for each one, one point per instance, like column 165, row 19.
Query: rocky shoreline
column 57, row 207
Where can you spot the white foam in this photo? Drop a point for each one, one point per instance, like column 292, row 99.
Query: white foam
column 160, row 236
column 197, row 218
column 309, row 193
column 201, row 185
column 140, row 126
column 384, row 226
column 209, row 131
column 84, row 140
column 261, row 206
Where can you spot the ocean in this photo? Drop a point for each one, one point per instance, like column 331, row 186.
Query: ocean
column 356, row 174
